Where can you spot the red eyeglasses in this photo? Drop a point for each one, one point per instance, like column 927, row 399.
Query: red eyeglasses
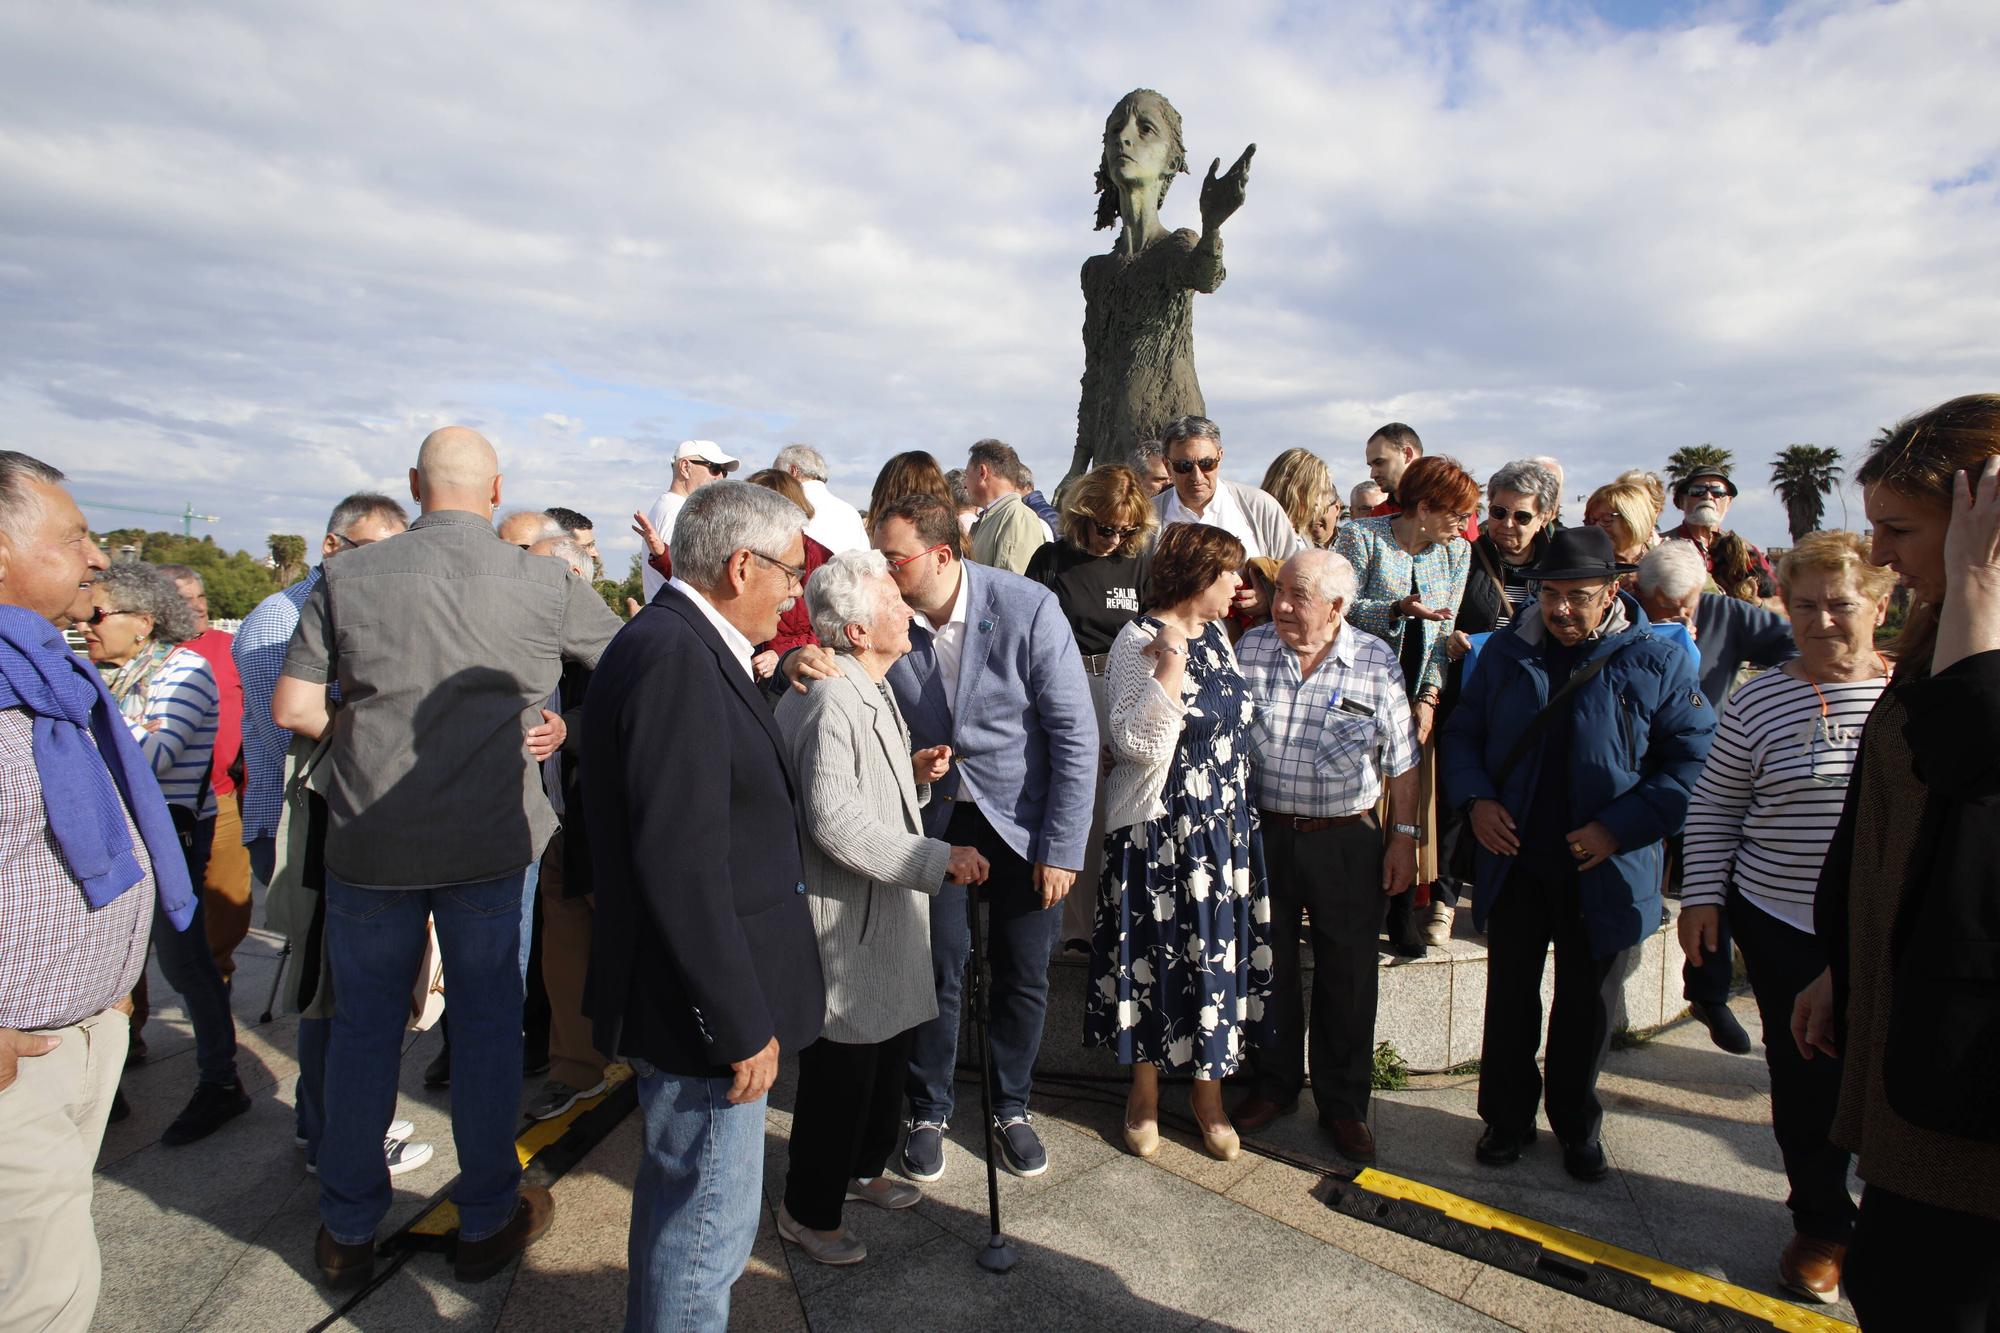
column 899, row 561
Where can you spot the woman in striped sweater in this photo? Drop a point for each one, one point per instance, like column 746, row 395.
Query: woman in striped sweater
column 1758, row 829
column 170, row 699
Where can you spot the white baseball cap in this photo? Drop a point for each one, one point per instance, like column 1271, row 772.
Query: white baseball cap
column 708, row 451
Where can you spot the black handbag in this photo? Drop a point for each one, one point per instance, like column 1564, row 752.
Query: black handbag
column 1464, row 854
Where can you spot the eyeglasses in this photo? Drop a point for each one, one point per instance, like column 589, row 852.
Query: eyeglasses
column 1580, row 597
column 1604, row 521
column 98, row 615
column 1712, row 491
column 897, row 562
column 1106, row 530
column 793, row 573
column 1501, row 514
column 1187, row 465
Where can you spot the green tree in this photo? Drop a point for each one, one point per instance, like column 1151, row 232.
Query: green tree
column 288, row 553
column 1684, row 461
column 614, row 591
column 1804, row 475
column 235, row 580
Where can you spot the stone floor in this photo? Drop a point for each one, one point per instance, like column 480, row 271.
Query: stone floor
column 219, row 1234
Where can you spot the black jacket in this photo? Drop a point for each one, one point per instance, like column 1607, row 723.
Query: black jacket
column 702, row 948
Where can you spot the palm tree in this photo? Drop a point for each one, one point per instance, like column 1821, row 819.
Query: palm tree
column 1804, row 475
column 1686, row 460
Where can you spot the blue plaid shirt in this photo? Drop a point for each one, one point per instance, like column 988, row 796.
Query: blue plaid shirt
column 260, row 658
column 1324, row 746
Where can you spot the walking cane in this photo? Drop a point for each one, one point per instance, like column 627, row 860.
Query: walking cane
column 271, row 1000
column 998, row 1256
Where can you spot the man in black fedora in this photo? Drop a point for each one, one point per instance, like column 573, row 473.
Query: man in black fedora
column 1573, row 750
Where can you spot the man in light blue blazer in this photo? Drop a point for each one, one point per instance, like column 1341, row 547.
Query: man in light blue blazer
column 993, row 672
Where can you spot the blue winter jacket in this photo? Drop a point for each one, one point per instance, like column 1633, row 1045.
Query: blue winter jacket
column 1642, row 733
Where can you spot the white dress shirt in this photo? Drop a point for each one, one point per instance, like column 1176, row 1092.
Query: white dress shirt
column 739, row 647
column 948, row 640
column 835, row 524
column 1223, row 512
column 662, row 515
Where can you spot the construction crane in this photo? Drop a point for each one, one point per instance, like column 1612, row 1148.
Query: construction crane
column 187, row 516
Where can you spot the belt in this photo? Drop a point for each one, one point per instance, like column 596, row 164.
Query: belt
column 1094, row 664
column 1314, row 823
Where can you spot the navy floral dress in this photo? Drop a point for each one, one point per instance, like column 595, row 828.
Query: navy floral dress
column 1181, row 952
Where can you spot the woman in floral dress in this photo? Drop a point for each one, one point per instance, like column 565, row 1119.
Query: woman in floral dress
column 1181, row 956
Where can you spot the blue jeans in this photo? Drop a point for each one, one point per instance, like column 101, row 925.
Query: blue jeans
column 374, row 941
column 1020, row 940
column 694, row 1205
column 189, row 966
column 534, row 878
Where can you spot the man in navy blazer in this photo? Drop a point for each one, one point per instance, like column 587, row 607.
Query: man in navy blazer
column 704, row 967
column 993, row 672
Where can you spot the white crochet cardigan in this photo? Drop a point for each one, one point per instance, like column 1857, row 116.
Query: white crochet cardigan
column 1145, row 729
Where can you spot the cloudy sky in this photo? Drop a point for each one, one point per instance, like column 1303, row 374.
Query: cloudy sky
column 250, row 254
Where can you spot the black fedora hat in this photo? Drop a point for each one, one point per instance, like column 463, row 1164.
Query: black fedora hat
column 1578, row 553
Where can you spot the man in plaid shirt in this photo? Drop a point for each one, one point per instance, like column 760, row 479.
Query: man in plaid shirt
column 1333, row 729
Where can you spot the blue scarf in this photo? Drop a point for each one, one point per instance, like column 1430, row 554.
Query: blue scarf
column 86, row 789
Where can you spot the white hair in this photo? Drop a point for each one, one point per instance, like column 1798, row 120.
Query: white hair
column 546, row 528
column 809, row 462
column 1673, row 569
column 1531, row 477
column 1331, row 574
column 725, row 517
column 571, row 553
column 847, row 590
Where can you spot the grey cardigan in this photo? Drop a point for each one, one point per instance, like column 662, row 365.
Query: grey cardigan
column 869, row 869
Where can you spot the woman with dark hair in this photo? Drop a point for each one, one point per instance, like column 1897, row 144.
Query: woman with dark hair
column 911, row 473
column 1097, row 570
column 1181, row 960
column 1908, row 903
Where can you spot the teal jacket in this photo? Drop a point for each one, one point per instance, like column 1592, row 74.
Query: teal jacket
column 1641, row 737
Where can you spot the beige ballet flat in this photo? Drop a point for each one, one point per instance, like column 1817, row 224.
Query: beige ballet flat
column 1143, row 1142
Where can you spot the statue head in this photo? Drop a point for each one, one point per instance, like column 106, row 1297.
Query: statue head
column 1158, row 115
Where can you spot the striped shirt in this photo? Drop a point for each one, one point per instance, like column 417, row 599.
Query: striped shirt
column 1520, row 594
column 1323, row 746
column 182, row 697
column 1765, row 808
column 259, row 651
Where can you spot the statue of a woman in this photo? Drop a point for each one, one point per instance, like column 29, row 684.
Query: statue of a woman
column 1138, row 300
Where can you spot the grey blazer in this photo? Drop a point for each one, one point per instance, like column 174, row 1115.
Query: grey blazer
column 870, row 871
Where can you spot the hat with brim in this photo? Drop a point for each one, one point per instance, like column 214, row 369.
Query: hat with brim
column 708, row 451
column 1681, row 486
column 1578, row 553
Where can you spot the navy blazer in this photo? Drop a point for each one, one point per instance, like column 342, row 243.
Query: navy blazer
column 703, row 947
column 1022, row 729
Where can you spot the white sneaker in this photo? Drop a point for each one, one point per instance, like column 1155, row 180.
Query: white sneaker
column 402, row 1156
column 400, row 1130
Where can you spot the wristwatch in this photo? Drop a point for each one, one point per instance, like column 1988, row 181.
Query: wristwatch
column 1408, row 831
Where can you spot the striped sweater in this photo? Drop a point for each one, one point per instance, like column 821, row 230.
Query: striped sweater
column 1765, row 808
column 182, row 697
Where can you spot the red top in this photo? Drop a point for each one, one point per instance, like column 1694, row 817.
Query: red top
column 795, row 626
column 214, row 646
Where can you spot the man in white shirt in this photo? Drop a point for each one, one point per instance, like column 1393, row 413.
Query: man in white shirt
column 696, row 463
column 1198, row 495
column 835, row 524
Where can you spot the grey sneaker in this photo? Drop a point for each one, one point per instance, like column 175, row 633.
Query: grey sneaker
column 557, row 1097
column 884, row 1193
column 839, row 1250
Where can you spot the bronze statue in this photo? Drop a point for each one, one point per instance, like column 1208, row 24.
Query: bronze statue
column 1138, row 300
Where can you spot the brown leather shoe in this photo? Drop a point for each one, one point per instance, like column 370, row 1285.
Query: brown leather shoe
column 1256, row 1112
column 480, row 1259
column 1811, row 1268
column 1353, row 1140
column 342, row 1265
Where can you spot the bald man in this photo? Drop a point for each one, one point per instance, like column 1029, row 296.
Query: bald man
column 526, row 528
column 447, row 643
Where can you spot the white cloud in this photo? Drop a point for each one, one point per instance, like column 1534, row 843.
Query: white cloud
column 252, row 254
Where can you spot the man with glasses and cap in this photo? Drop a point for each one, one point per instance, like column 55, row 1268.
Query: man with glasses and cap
column 1572, row 752
column 1198, row 495
column 696, row 464
column 1703, row 497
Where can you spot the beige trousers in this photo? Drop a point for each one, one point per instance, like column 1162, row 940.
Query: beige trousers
column 225, row 892
column 565, row 962
column 51, row 1126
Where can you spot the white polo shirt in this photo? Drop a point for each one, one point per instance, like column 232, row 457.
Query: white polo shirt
column 1223, row 512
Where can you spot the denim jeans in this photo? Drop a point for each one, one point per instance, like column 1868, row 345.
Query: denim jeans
column 263, row 858
column 189, row 966
column 374, row 940
column 533, row 880
column 695, row 1203
column 1020, row 940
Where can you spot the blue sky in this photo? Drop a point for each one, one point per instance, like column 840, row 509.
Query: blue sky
column 249, row 256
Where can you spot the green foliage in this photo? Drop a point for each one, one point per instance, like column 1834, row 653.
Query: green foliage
column 1804, row 475
column 288, row 553
column 1464, row 1067
column 1685, row 460
column 614, row 591
column 1389, row 1074
column 235, row 580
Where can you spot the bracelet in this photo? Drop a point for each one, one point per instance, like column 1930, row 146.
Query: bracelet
column 1161, row 647
column 1408, row 831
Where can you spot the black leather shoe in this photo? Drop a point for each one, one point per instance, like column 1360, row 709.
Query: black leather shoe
column 437, row 1074
column 1585, row 1160
column 1497, row 1147
column 1723, row 1029
column 477, row 1260
column 212, row 1106
column 342, row 1265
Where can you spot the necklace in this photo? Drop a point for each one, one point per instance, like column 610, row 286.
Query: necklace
column 1823, row 736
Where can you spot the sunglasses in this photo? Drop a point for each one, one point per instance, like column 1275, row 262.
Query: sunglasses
column 899, row 561
column 98, row 615
column 1106, row 530
column 1713, row 491
column 1187, row 465
column 714, row 469
column 1503, row 513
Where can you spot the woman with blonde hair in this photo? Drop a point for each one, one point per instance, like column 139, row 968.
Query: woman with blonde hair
column 1628, row 509
column 1298, row 480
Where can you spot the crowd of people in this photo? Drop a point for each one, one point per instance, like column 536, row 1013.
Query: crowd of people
column 1175, row 723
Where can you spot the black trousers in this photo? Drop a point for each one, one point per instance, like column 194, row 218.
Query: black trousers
column 844, row 1123
column 1708, row 981
column 1782, row 961
column 1535, row 908
column 1918, row 1266
column 1336, row 874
